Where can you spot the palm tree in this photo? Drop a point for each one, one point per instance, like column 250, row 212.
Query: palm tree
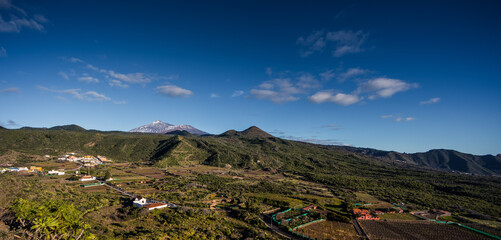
column 45, row 226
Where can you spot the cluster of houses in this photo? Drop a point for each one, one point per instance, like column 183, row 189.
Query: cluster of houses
column 143, row 202
column 364, row 214
column 32, row 169
column 88, row 161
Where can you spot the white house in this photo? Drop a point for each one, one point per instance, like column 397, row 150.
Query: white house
column 87, row 178
column 22, row 169
column 156, row 205
column 56, row 172
column 139, row 201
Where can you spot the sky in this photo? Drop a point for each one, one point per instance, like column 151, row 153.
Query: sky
column 408, row 76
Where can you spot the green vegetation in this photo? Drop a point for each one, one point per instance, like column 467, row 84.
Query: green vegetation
column 242, row 173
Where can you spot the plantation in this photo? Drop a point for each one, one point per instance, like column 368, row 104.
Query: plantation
column 329, row 230
column 416, row 230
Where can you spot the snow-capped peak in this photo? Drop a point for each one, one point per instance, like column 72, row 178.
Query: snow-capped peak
column 161, row 127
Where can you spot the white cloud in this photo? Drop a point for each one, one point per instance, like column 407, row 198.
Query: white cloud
column 90, row 96
column 129, row 78
column 385, row 87
column 15, row 24
column 110, row 74
column 276, row 97
column 88, row 79
column 237, row 93
column 269, row 71
column 63, row 75
column 350, row 73
column 19, row 19
column 174, row 91
column 338, row 98
column 398, row 119
column 117, row 83
column 431, row 101
column 3, row 52
column 213, row 95
column 343, row 42
column 281, row 90
column 119, row 102
column 332, row 126
column 306, row 80
column 327, row 75
column 406, row 119
column 9, row 90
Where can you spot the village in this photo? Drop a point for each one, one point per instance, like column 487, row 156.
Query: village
column 314, row 212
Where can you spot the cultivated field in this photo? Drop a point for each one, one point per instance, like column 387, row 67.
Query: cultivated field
column 416, row 230
column 329, row 230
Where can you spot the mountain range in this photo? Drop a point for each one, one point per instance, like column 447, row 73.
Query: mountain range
column 252, row 147
column 160, row 127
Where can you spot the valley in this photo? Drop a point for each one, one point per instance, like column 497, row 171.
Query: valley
column 236, row 185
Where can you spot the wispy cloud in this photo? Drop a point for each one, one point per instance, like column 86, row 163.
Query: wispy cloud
column 278, row 90
column 91, row 96
column 237, row 93
column 315, row 140
column 286, row 88
column 9, row 123
column 9, row 90
column 88, row 79
column 397, row 118
column 340, row 42
column 116, row 83
column 173, row 91
column 334, row 127
column 19, row 19
column 3, row 52
column 131, row 78
column 213, row 95
column 269, row 71
column 385, row 87
column 406, row 119
column 327, row 75
column 119, row 102
column 350, row 73
column 331, row 96
column 431, row 101
column 63, row 75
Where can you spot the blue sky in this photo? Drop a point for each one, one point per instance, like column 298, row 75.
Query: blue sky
column 394, row 75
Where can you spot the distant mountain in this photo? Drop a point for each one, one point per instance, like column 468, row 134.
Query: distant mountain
column 442, row 159
column 162, row 127
column 252, row 132
column 71, row 127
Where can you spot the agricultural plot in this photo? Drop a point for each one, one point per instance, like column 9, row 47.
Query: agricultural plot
column 329, row 230
column 398, row 216
column 375, row 203
column 416, row 230
column 150, row 172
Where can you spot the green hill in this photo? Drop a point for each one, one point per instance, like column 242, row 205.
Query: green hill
column 343, row 169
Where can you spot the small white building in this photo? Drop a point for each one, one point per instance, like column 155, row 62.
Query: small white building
column 87, row 178
column 23, row 169
column 56, row 172
column 139, row 201
column 156, row 205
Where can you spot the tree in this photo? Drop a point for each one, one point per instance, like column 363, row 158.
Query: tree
column 107, row 174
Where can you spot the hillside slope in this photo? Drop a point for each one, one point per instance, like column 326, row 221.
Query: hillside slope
column 442, row 159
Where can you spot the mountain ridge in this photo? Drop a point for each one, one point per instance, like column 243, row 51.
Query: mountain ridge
column 160, row 127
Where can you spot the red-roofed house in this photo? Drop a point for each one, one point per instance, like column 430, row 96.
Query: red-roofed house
column 156, row 205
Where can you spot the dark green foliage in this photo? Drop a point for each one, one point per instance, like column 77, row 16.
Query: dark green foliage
column 334, row 166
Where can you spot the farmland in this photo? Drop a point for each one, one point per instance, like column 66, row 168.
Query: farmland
column 416, row 230
column 329, row 230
